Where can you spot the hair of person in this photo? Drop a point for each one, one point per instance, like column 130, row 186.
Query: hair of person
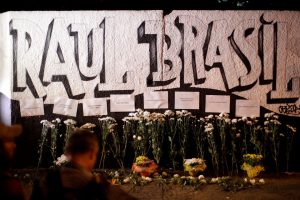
column 81, row 141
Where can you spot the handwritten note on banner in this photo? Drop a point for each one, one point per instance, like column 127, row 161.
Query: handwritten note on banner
column 217, row 104
column 186, row 100
column 156, row 100
column 31, row 107
column 64, row 106
column 122, row 103
column 92, row 107
column 247, row 108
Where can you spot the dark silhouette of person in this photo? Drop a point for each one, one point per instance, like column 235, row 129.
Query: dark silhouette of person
column 75, row 180
column 10, row 187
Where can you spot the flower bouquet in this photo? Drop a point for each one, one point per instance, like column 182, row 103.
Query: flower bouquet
column 144, row 166
column 194, row 166
column 252, row 164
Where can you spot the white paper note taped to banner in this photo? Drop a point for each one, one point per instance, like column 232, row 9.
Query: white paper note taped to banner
column 247, row 108
column 156, row 100
column 122, row 103
column 217, row 103
column 64, row 106
column 187, row 100
column 95, row 106
column 31, row 107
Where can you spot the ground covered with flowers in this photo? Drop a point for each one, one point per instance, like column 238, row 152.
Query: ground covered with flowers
column 167, row 185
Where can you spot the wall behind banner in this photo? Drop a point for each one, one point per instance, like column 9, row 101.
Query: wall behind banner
column 51, row 61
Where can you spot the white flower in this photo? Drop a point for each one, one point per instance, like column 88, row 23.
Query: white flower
column 176, row 176
column 210, row 116
column 132, row 114
column 88, row 126
column 214, row 180
column 43, row 121
column 253, row 117
column 61, row 160
column 276, row 116
column 202, row 181
column 252, row 181
column 117, row 174
column 246, row 180
column 244, row 119
column 146, row 114
column 234, row 121
column 139, row 111
column 134, row 136
column 169, row 113
column 200, row 177
column 179, row 114
column 261, row 181
column 139, row 138
column 277, row 122
column 147, row 178
column 266, row 123
column 58, row 120
column 238, row 135
column 227, row 120
column 126, row 180
column 249, row 123
column 70, row 122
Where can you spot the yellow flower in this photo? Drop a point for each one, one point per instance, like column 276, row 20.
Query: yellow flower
column 252, row 171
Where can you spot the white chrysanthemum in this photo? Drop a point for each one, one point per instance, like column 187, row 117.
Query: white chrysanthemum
column 88, row 126
column 261, row 181
column 201, row 177
column 176, row 176
column 43, row 121
column 139, row 138
column 126, row 180
column 252, row 181
column 244, row 119
column 210, row 116
column 234, row 121
column 70, row 122
column 134, row 136
column 169, row 113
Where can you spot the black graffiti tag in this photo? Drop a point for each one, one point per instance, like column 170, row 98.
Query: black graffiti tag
column 289, row 109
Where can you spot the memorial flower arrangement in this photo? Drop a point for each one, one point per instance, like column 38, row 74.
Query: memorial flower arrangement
column 61, row 160
column 273, row 133
column 107, row 126
column 70, row 126
column 194, row 166
column 290, row 132
column 156, row 124
column 42, row 142
column 144, row 166
column 252, row 164
column 212, row 145
column 88, row 126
